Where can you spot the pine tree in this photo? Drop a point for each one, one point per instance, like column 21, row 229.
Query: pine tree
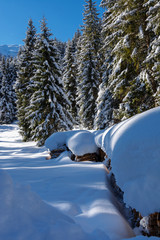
column 7, row 101
column 127, row 40
column 70, row 74
column 89, row 69
column 61, row 46
column 153, row 57
column 48, row 110
column 140, row 92
column 23, row 83
column 13, row 77
column 103, row 118
column 75, row 40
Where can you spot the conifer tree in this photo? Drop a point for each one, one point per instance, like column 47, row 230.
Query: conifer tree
column 127, row 40
column 153, row 57
column 110, row 35
column 23, row 83
column 70, row 73
column 75, row 40
column 7, row 101
column 88, row 69
column 139, row 91
column 48, row 110
column 61, row 46
column 13, row 77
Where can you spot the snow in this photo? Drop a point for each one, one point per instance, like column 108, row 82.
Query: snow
column 82, row 143
column 141, row 33
column 134, row 149
column 57, row 199
column 59, row 139
column 25, row 215
column 39, row 198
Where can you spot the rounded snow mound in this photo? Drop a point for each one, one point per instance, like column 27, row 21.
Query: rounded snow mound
column 82, row 143
column 134, row 149
column 59, row 139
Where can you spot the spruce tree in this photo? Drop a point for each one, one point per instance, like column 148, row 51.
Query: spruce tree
column 48, row 110
column 7, row 101
column 70, row 74
column 153, row 57
column 13, row 77
column 23, row 82
column 89, row 69
column 103, row 118
column 139, row 92
column 127, row 40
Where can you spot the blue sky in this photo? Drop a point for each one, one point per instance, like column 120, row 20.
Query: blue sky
column 64, row 17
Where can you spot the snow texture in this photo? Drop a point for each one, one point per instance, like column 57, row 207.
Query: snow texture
column 59, row 139
column 82, row 143
column 57, row 199
column 134, row 149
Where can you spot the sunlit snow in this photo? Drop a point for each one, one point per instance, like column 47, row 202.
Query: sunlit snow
column 56, row 199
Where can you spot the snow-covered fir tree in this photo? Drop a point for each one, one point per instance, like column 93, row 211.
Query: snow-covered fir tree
column 103, row 118
column 70, row 74
column 23, row 84
column 13, row 77
column 139, row 94
column 61, row 46
column 104, row 101
column 153, row 57
column 7, row 94
column 88, row 68
column 127, row 40
column 75, row 40
column 48, row 110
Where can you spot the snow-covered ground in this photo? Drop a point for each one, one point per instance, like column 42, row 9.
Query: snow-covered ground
column 60, row 199
column 56, row 199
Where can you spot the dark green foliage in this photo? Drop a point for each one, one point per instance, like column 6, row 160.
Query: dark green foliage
column 23, row 84
column 48, row 109
column 7, row 93
column 70, row 76
column 89, row 66
column 126, row 43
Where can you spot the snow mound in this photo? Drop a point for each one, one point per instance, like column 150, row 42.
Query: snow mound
column 26, row 216
column 59, row 139
column 79, row 142
column 82, row 143
column 134, row 149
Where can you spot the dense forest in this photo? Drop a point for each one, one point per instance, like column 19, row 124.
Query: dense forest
column 107, row 73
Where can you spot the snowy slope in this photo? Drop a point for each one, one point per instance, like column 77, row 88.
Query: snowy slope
column 9, row 50
column 61, row 199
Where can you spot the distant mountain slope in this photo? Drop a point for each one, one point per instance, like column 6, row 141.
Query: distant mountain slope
column 9, row 50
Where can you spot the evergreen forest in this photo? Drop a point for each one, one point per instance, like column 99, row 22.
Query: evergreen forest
column 108, row 72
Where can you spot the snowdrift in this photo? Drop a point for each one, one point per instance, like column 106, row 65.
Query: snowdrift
column 134, row 149
column 80, row 142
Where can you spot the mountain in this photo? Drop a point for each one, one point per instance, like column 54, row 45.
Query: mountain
column 9, row 50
